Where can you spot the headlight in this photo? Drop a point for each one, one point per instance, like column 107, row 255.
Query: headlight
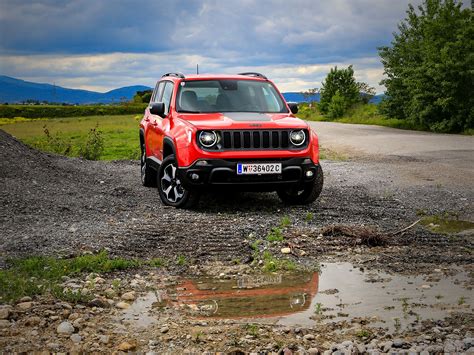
column 297, row 137
column 208, row 138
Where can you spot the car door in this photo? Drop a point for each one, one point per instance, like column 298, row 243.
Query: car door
column 158, row 122
column 151, row 132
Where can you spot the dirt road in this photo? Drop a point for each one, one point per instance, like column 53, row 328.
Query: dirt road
column 413, row 158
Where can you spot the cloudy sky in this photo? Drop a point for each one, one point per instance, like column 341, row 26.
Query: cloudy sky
column 105, row 44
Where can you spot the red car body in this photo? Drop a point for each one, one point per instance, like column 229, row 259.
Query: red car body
column 175, row 133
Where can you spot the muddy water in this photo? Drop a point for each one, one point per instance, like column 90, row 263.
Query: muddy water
column 338, row 292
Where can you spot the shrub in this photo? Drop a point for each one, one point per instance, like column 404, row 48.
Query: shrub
column 93, row 147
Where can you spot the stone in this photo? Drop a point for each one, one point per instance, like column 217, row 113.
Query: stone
column 25, row 305
column 346, row 343
column 128, row 296
column 76, row 338
column 309, row 337
column 387, row 346
column 398, row 343
column 287, row 351
column 104, row 339
column 126, row 346
column 122, row 305
column 4, row 323
column 65, row 328
column 109, row 292
column 361, row 348
column 5, row 312
column 25, row 299
column 33, row 321
column 449, row 347
column 164, row 329
column 285, row 250
column 426, row 287
column 78, row 322
column 99, row 302
column 73, row 316
column 313, row 351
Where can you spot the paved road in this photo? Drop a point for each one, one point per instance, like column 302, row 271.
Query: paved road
column 414, row 157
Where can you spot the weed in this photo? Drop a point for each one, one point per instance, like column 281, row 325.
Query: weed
column 363, row 333
column 55, row 143
column 461, row 300
column 116, row 285
column 309, row 217
column 397, row 324
column 93, row 147
column 272, row 264
column 438, row 297
column 285, row 222
column 252, row 329
column 181, row 260
column 318, row 308
column 157, row 262
column 275, row 235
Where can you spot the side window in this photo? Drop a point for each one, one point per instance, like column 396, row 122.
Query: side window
column 157, row 93
column 167, row 93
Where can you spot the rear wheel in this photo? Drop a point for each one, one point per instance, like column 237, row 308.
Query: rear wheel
column 148, row 174
column 172, row 192
column 305, row 193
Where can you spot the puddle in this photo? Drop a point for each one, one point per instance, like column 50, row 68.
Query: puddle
column 446, row 225
column 339, row 292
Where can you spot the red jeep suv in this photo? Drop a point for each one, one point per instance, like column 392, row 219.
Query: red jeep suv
column 226, row 131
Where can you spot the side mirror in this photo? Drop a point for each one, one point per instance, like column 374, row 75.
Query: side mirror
column 157, row 108
column 293, row 107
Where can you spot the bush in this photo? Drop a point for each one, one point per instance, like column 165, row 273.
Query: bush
column 93, row 147
column 337, row 106
column 340, row 81
column 52, row 111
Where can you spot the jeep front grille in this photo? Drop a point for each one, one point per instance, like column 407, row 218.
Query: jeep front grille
column 254, row 140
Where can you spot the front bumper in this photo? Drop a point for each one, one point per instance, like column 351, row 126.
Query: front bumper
column 223, row 173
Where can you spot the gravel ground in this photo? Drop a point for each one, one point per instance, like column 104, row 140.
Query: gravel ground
column 52, row 205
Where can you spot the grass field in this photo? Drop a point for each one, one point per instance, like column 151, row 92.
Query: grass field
column 120, row 133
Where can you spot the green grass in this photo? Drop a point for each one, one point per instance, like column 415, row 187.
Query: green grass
column 40, row 275
column 120, row 133
column 275, row 235
column 273, row 264
column 360, row 114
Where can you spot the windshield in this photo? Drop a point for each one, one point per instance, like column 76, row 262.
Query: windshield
column 205, row 96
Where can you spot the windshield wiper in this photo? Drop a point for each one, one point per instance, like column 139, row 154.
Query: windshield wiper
column 189, row 111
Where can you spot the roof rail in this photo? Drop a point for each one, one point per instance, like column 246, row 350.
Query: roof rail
column 254, row 74
column 177, row 75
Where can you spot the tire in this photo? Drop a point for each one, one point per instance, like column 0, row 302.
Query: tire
column 172, row 193
column 304, row 194
column 147, row 173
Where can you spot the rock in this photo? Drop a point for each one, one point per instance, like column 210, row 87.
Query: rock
column 285, row 250
column 5, row 312
column 398, row 343
column 53, row 346
column 4, row 323
column 76, row 338
column 346, row 343
column 361, row 348
column 129, row 296
column 122, row 305
column 126, row 346
column 164, row 329
column 33, row 321
column 73, row 316
column 25, row 299
column 387, row 346
column 327, row 352
column 426, row 287
column 287, row 351
column 109, row 292
column 309, row 337
column 99, row 302
column 313, row 351
column 78, row 323
column 468, row 342
column 104, row 339
column 65, row 328
column 24, row 306
column 449, row 347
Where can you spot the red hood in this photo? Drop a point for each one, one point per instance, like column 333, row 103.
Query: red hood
column 243, row 120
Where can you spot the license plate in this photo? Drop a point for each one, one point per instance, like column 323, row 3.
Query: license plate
column 258, row 168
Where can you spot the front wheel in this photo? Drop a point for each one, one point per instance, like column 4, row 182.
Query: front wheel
column 305, row 193
column 171, row 191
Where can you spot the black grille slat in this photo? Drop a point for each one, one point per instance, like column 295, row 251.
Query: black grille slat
column 257, row 139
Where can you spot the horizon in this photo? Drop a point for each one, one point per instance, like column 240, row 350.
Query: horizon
column 91, row 46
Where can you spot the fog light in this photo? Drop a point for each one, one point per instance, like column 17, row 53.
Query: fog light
column 309, row 173
column 194, row 176
column 202, row 163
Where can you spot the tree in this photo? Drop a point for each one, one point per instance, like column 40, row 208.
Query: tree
column 341, row 80
column 429, row 67
column 310, row 96
column 366, row 92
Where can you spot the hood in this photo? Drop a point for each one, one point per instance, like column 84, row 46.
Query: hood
column 243, row 120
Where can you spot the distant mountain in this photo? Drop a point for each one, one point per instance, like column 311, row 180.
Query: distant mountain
column 298, row 97
column 15, row 91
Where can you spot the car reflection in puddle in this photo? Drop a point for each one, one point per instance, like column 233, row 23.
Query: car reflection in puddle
column 341, row 292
